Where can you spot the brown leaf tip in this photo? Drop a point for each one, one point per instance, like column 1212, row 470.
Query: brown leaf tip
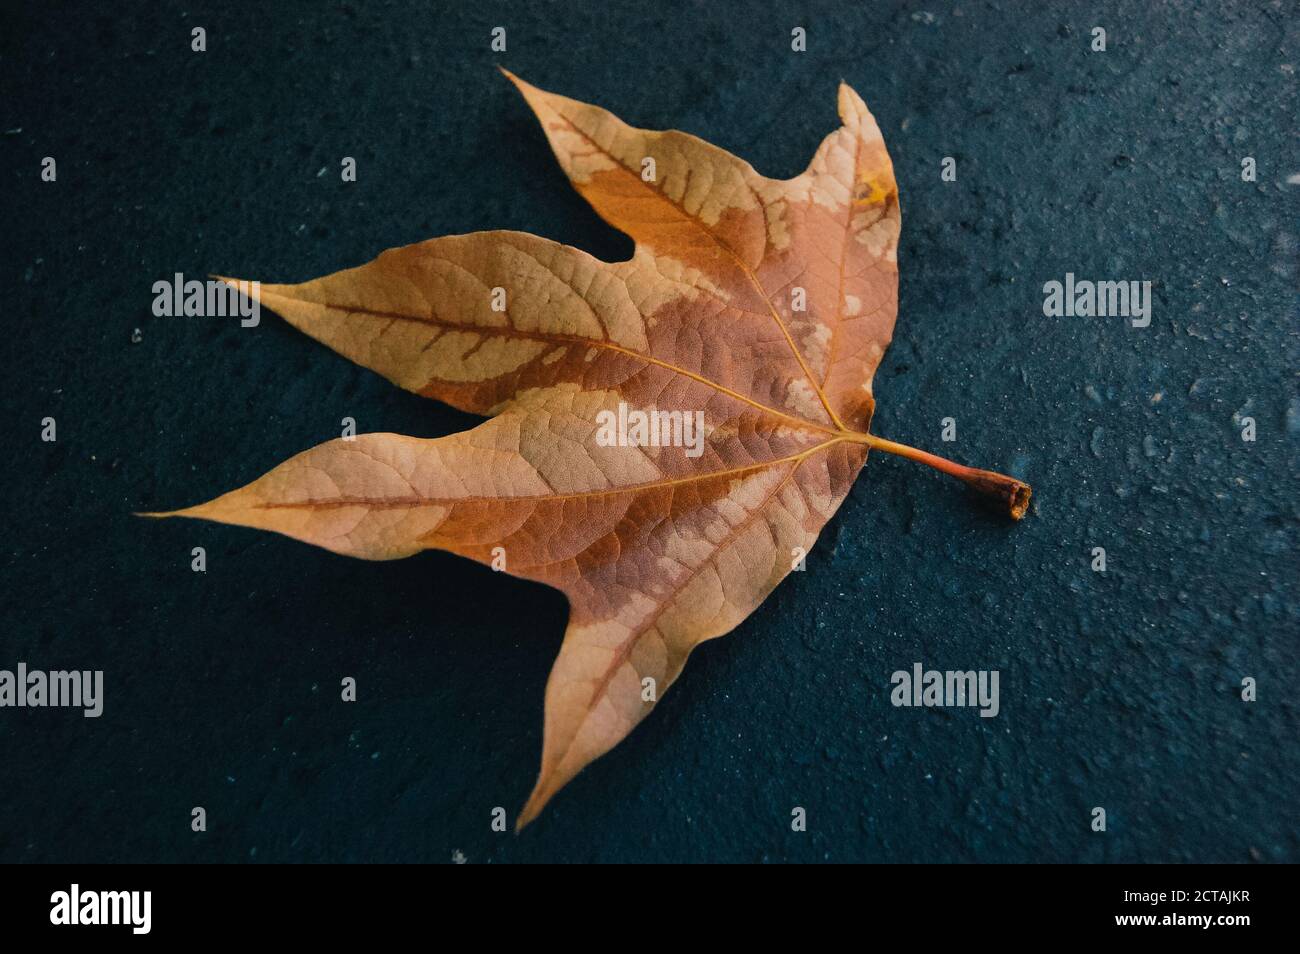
column 522, row 86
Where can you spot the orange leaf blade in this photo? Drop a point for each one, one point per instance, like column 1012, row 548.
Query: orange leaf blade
column 746, row 329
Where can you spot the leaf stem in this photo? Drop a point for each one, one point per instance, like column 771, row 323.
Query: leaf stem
column 1010, row 494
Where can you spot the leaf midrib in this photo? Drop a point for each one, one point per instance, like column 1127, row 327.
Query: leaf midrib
column 392, row 503
column 513, row 331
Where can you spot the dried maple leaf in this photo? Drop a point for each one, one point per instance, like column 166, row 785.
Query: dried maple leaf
column 764, row 304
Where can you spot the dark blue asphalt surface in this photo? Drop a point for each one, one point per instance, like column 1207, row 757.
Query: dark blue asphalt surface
column 1119, row 690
